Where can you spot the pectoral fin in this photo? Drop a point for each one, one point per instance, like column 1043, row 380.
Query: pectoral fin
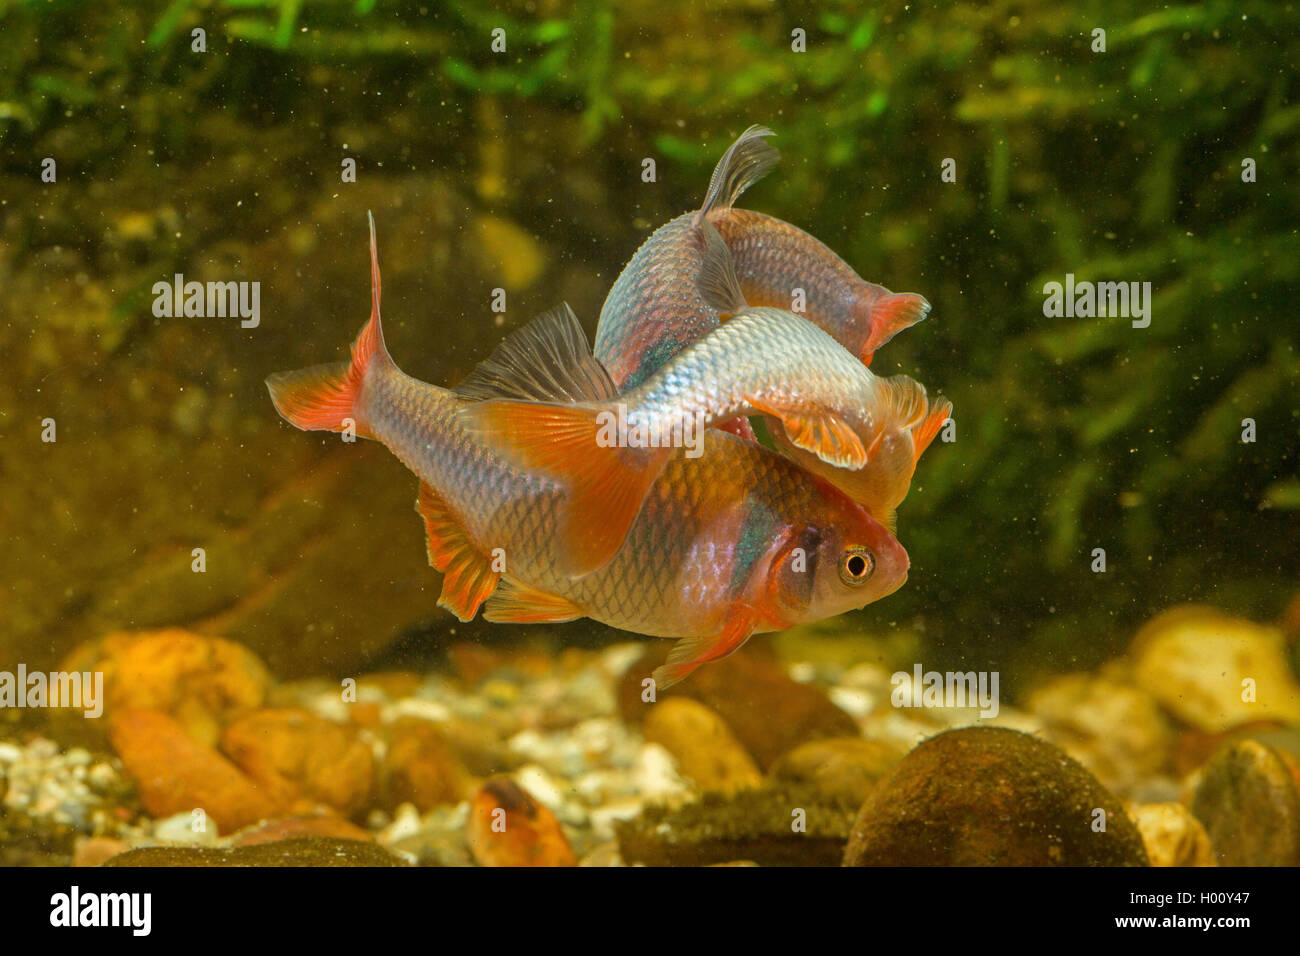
column 468, row 578
column 690, row 652
column 820, row 431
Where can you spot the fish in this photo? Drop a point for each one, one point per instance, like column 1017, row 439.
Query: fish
column 825, row 403
column 654, row 310
column 735, row 542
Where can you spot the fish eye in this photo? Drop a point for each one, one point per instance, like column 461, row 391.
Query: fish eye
column 856, row 565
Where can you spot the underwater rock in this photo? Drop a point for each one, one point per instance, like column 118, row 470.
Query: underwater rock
column 309, row 851
column 421, row 768
column 771, row 826
column 92, row 851
column 203, row 682
column 705, row 748
column 844, row 769
column 1118, row 732
column 1197, row 661
column 299, row 827
column 1172, row 835
column 436, row 838
column 769, row 712
column 507, row 827
column 1248, row 798
column 177, row 774
column 296, row 756
column 988, row 796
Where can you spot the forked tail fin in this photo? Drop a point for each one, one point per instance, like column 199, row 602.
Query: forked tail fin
column 325, row 397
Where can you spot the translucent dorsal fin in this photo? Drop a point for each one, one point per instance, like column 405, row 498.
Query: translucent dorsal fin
column 548, row 360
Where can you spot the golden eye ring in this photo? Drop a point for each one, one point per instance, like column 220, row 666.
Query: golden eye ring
column 857, row 565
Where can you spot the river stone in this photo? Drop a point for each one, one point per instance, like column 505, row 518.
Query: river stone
column 1172, row 836
column 769, row 712
column 1248, row 799
column 988, row 796
column 704, row 746
column 842, row 768
column 1194, row 660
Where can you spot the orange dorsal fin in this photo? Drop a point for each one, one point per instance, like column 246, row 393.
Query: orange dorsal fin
column 690, row 652
column 604, row 484
column 468, row 579
column 519, row 603
column 821, row 431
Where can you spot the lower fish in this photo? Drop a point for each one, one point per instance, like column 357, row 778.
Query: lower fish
column 735, row 542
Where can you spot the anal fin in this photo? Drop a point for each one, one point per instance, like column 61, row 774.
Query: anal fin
column 691, row 652
column 820, row 431
column 468, row 579
column 519, row 603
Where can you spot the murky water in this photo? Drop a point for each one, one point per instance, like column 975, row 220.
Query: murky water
column 1102, row 223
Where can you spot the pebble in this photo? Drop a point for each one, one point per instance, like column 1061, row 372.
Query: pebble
column 202, row 682
column 842, row 769
column 1248, row 799
column 508, row 827
column 705, row 748
column 1172, row 836
column 1118, row 732
column 176, row 773
column 1194, row 660
column 297, row 756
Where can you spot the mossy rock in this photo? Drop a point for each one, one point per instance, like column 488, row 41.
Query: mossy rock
column 312, row 851
column 988, row 796
column 755, row 825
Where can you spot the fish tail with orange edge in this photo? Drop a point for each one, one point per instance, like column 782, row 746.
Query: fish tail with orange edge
column 328, row 397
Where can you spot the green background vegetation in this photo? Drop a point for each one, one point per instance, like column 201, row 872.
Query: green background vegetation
column 1072, row 433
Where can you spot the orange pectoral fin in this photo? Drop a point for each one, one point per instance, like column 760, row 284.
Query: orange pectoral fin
column 818, row 430
column 605, row 484
column 690, row 652
column 519, row 603
column 468, row 578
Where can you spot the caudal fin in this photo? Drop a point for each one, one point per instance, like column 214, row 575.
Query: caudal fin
column 325, row 397
column 745, row 162
column 604, row 484
column 889, row 315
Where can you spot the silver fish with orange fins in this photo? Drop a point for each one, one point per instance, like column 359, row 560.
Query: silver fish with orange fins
column 734, row 542
column 865, row 432
column 653, row 310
